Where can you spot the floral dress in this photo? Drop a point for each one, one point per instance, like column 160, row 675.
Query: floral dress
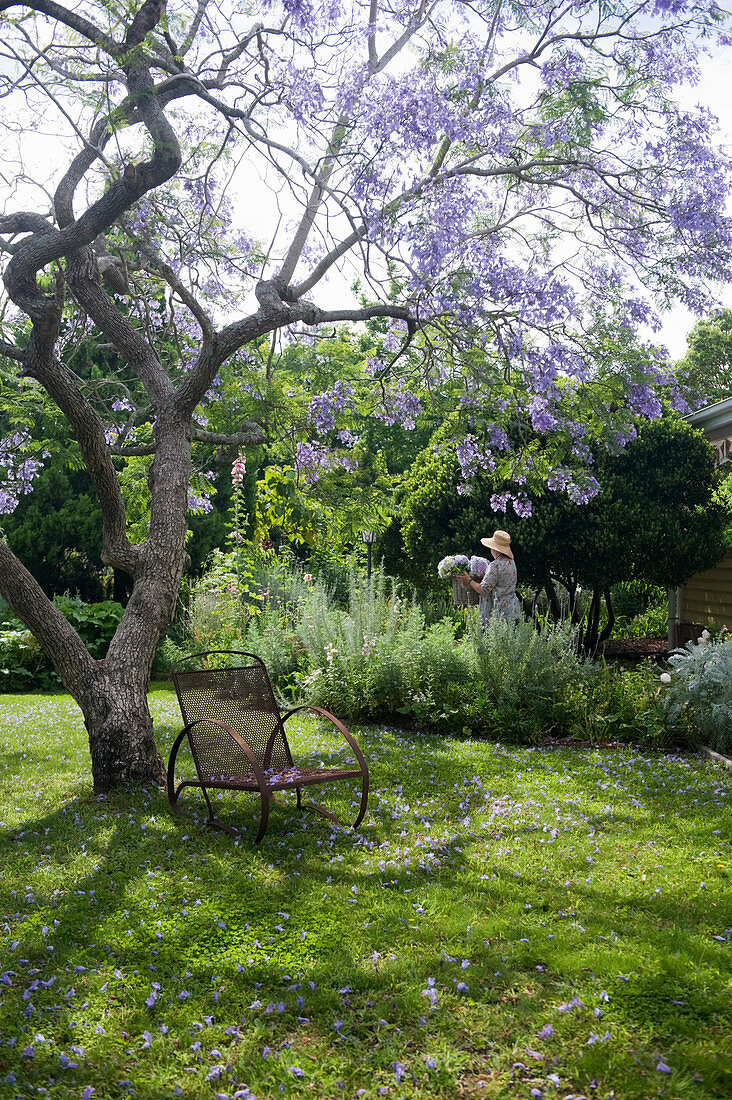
column 498, row 591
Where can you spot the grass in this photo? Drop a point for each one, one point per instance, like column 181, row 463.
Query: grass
column 507, row 923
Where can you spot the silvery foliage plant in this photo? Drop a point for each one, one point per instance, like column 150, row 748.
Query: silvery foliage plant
column 700, row 686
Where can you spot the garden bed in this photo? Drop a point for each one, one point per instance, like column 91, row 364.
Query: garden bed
column 636, row 649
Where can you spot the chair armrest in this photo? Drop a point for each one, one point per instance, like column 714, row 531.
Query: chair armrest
column 339, row 726
column 239, row 741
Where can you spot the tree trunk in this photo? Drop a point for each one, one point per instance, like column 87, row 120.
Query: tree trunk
column 121, row 736
column 588, row 636
column 554, row 609
column 610, row 625
column 112, row 692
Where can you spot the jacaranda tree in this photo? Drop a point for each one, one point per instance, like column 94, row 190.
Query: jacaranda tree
column 500, row 177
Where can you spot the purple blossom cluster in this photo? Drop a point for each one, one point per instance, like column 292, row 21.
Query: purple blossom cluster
column 518, row 501
column 398, row 406
column 579, row 486
column 473, row 456
column 18, row 470
column 644, row 401
column 313, row 459
column 199, row 503
column 325, row 407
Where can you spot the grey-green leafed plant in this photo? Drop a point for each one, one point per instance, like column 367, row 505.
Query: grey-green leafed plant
column 366, row 660
column 526, row 674
column 700, row 688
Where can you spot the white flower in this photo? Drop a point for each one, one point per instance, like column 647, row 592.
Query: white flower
column 665, row 678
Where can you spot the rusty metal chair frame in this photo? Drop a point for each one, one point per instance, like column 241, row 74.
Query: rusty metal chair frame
column 237, row 738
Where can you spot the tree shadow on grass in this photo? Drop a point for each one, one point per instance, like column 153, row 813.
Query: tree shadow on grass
column 228, row 930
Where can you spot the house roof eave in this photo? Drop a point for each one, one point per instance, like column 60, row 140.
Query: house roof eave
column 713, row 420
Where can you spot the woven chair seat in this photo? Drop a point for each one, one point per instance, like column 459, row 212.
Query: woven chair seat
column 282, row 780
column 236, row 734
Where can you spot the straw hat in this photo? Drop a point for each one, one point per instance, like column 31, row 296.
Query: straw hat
column 500, row 542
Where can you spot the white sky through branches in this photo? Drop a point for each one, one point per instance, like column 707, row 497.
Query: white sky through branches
column 713, row 92
column 44, row 154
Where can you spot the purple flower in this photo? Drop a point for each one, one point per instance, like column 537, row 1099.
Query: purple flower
column 199, row 503
column 477, row 567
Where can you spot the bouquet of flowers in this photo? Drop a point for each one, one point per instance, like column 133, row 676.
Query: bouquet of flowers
column 452, row 565
column 449, row 568
column 477, row 567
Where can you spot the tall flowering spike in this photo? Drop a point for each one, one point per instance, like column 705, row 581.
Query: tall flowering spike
column 238, row 469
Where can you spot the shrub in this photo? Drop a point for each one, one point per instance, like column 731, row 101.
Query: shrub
column 634, row 598
column 652, row 623
column 526, row 674
column 700, row 689
column 95, row 622
column 241, row 598
column 378, row 657
column 216, row 620
column 23, row 664
column 363, row 662
column 618, row 705
column 271, row 635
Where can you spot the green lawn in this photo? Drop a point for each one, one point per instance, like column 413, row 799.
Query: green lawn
column 507, row 923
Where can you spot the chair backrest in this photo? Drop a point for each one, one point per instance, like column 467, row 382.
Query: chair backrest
column 241, row 697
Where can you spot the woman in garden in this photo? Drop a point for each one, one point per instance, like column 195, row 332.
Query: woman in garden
column 498, row 586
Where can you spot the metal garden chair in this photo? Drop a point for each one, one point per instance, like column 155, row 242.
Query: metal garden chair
column 237, row 738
